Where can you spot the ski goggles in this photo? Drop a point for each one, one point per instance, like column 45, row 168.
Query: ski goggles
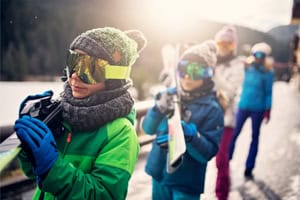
column 225, row 45
column 93, row 70
column 259, row 55
column 194, row 70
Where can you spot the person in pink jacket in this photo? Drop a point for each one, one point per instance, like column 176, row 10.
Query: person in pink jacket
column 229, row 73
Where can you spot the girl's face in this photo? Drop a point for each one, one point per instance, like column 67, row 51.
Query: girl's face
column 81, row 89
column 259, row 57
column 259, row 61
column 225, row 48
column 189, row 84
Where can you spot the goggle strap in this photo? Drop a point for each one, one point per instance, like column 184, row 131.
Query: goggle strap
column 117, row 72
column 68, row 74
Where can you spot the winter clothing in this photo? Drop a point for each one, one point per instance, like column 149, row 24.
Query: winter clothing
column 261, row 47
column 207, row 115
column 248, row 174
column 228, row 77
column 267, row 115
column 90, row 113
column 227, row 41
column 204, row 54
column 164, row 102
column 109, row 44
column 256, row 118
column 257, row 89
column 161, row 191
column 99, row 169
column 112, row 45
column 202, row 124
column 189, row 130
column 227, row 34
column 222, row 162
column 139, row 37
column 40, row 142
column 255, row 99
column 97, row 144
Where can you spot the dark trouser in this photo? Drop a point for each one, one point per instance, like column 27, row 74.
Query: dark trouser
column 256, row 118
column 222, row 162
column 161, row 192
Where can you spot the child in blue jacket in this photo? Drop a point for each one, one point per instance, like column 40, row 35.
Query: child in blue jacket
column 202, row 123
column 255, row 100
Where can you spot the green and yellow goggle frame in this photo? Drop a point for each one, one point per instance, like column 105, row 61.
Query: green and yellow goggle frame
column 93, row 70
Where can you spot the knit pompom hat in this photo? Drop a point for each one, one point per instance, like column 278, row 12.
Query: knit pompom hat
column 204, row 53
column 113, row 45
column 227, row 34
column 262, row 47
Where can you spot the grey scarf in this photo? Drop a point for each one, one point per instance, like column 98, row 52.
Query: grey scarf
column 92, row 112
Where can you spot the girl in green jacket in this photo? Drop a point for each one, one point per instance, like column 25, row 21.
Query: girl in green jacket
column 94, row 155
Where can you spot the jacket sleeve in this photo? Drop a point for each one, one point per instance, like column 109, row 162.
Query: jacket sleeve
column 269, row 78
column 206, row 145
column 25, row 164
column 152, row 121
column 109, row 176
column 229, row 79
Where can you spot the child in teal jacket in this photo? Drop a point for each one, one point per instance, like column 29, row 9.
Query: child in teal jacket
column 255, row 101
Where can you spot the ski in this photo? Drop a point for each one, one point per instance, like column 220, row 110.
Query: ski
column 176, row 142
column 11, row 146
column 9, row 149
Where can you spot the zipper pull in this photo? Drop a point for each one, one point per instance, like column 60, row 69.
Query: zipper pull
column 69, row 137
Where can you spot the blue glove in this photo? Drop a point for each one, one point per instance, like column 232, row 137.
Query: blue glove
column 38, row 138
column 48, row 93
column 166, row 78
column 189, row 130
column 164, row 102
column 162, row 140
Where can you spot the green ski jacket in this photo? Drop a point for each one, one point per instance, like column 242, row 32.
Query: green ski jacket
column 91, row 165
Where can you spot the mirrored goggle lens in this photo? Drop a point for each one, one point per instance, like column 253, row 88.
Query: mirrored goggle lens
column 194, row 70
column 225, row 44
column 94, row 70
column 259, row 55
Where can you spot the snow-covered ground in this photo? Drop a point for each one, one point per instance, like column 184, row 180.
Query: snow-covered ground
column 277, row 172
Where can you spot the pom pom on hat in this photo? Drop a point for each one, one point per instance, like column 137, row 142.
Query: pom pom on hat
column 139, row 37
column 227, row 34
column 262, row 47
column 204, row 53
column 110, row 44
